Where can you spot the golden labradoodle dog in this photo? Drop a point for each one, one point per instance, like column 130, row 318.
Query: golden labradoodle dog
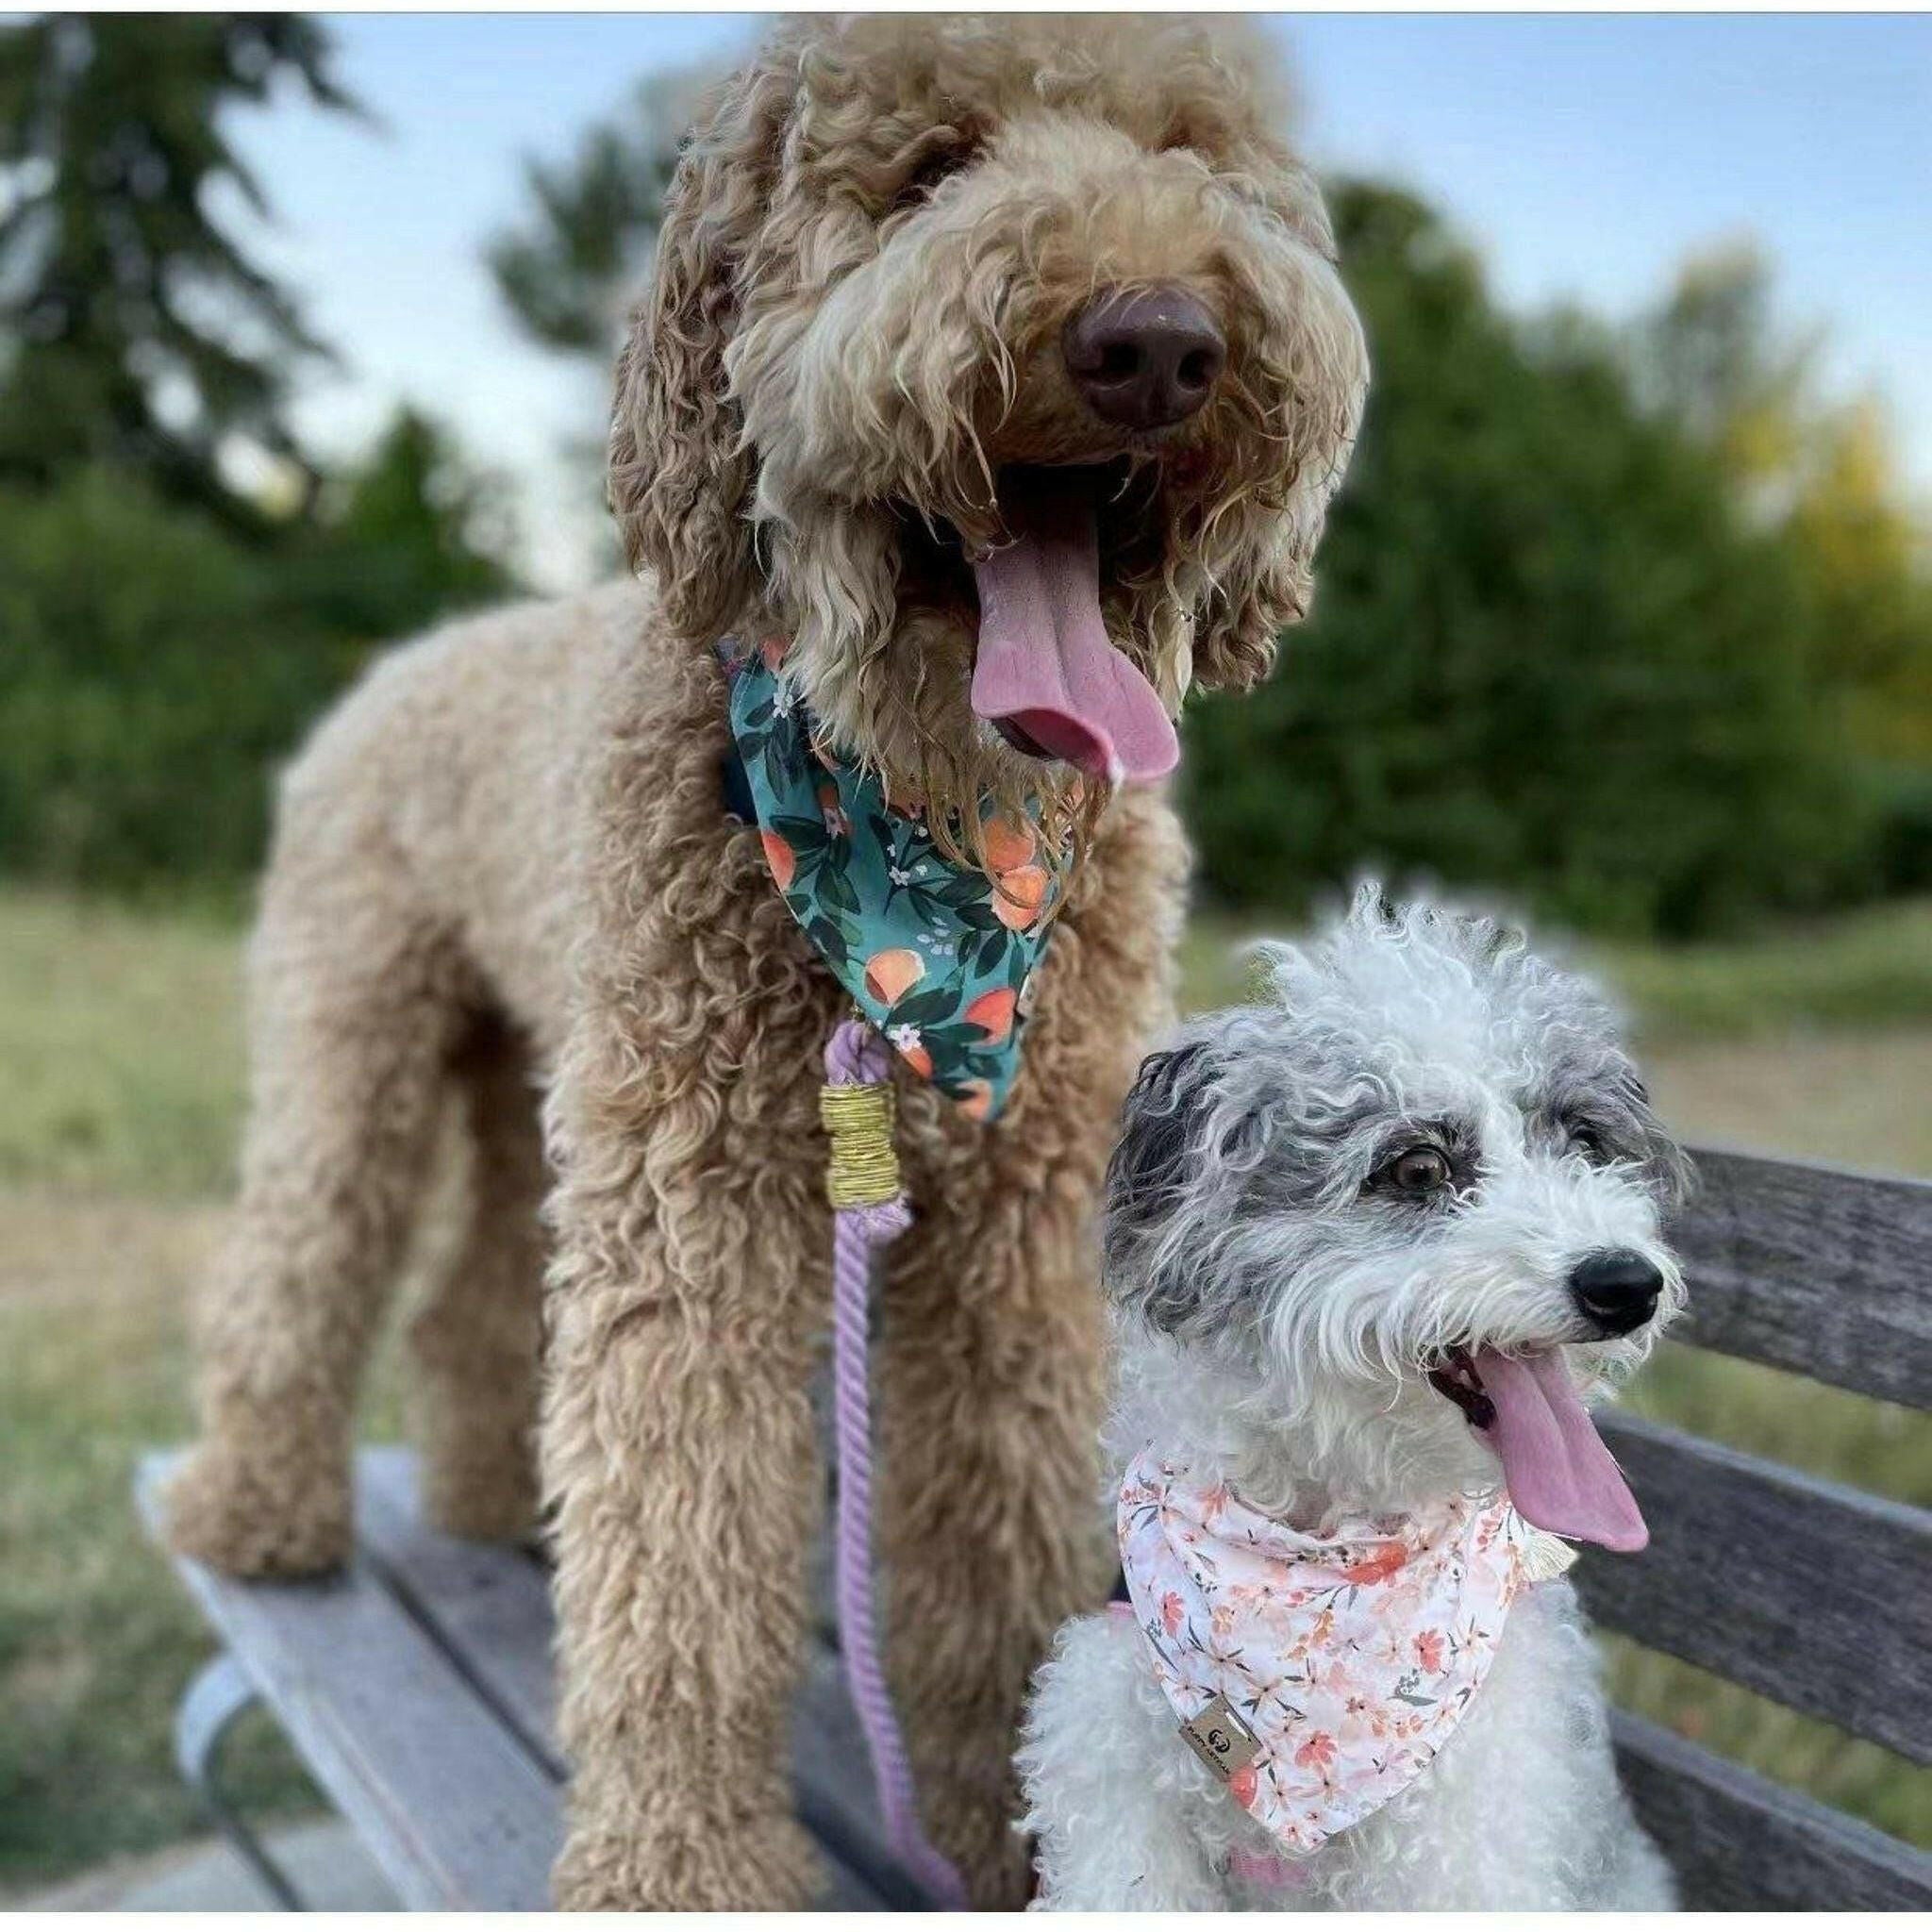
column 948, row 318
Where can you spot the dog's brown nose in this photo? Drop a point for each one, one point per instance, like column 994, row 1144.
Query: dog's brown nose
column 1144, row 361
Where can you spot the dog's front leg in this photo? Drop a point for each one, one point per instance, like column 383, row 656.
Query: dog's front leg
column 1113, row 1801
column 992, row 1382
column 691, row 1285
column 992, row 1366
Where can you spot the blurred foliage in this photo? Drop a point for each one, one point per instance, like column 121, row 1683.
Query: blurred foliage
column 1824, row 476
column 156, row 669
column 132, row 329
column 1626, row 623
column 412, row 532
column 1554, row 650
column 578, row 253
column 1823, row 473
column 167, row 635
column 151, row 678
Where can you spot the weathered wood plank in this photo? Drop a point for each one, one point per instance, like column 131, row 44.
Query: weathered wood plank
column 1812, row 1593
column 397, row 1680
column 490, row 1608
column 1739, row 1842
column 456, row 1812
column 488, row 1605
column 1812, row 1269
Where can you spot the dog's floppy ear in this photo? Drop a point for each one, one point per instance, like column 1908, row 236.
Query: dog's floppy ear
column 1270, row 583
column 680, row 479
column 1672, row 1173
column 1667, row 1170
column 1148, row 1177
column 1150, row 1157
column 1267, row 583
column 1247, row 610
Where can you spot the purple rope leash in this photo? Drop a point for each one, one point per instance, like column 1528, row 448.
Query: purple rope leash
column 856, row 1057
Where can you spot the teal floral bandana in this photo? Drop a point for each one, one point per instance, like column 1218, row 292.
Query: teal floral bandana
column 940, row 957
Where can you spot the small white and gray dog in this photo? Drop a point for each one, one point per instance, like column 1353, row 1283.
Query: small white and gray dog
column 1374, row 1244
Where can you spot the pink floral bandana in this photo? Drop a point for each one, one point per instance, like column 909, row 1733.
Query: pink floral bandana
column 1317, row 1675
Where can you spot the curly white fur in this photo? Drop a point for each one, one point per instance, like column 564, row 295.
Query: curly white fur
column 1275, row 1310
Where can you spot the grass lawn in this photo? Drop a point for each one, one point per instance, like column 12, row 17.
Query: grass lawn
column 119, row 1048
column 121, row 1061
column 97, row 1640
column 1863, row 970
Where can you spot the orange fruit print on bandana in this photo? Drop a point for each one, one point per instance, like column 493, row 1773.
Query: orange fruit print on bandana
column 938, row 956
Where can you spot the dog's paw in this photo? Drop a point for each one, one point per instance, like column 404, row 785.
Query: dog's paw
column 771, row 1866
column 257, row 1515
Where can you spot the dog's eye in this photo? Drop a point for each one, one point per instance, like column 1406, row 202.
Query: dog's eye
column 1416, row 1171
column 1587, row 1141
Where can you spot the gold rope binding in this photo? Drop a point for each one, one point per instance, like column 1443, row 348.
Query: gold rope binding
column 862, row 1169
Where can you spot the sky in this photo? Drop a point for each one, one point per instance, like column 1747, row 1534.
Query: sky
column 1585, row 155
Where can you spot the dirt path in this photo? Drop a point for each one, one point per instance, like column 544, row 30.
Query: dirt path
column 1861, row 1099
column 88, row 1250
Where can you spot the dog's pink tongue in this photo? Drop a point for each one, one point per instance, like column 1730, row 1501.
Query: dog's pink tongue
column 1560, row 1475
column 1045, row 665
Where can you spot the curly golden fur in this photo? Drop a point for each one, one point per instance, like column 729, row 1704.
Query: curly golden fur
column 879, row 235
column 505, row 862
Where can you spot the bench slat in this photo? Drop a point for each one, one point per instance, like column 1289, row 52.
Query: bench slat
column 488, row 1605
column 1811, row 1593
column 1814, row 1270
column 490, row 1608
column 1739, row 1843
column 456, row 1812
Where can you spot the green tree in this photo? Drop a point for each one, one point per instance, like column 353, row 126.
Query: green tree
column 414, row 532
column 1548, row 652
column 1820, row 470
column 133, row 329
column 158, row 669
column 167, row 640
column 570, row 264
column 153, row 674
column 1709, row 357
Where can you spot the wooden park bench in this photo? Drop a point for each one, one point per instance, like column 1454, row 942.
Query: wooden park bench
column 417, row 1686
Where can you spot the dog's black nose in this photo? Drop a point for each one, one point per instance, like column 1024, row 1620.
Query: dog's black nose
column 1616, row 1289
column 1144, row 361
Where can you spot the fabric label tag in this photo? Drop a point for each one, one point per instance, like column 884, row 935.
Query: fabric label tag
column 1222, row 1741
